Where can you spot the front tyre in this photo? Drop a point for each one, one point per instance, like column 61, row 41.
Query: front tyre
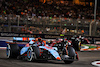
column 31, row 54
column 71, row 54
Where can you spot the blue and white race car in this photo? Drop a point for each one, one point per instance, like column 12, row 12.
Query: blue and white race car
column 37, row 49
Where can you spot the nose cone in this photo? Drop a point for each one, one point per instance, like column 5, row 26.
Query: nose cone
column 58, row 58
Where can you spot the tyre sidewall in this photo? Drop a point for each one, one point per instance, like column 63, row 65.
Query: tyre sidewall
column 31, row 54
column 8, row 51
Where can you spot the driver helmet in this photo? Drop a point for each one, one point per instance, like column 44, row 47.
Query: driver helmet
column 39, row 39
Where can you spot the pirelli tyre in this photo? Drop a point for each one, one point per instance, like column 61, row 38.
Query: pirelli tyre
column 31, row 55
column 71, row 54
column 77, row 45
column 12, row 51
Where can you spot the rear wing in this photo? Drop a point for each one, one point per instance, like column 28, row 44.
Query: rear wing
column 22, row 39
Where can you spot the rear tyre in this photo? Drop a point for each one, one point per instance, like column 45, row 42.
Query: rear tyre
column 12, row 50
column 77, row 45
column 8, row 51
column 78, row 48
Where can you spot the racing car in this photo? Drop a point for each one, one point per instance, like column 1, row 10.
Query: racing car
column 40, row 50
column 85, row 40
column 60, row 42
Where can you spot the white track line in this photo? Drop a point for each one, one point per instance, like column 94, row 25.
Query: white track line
column 85, row 47
column 96, row 63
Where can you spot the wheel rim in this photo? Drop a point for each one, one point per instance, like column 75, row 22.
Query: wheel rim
column 8, row 51
column 79, row 45
column 29, row 55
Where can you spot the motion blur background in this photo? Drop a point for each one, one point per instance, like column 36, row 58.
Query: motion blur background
column 69, row 17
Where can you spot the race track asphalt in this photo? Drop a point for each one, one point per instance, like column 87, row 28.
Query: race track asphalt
column 85, row 59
